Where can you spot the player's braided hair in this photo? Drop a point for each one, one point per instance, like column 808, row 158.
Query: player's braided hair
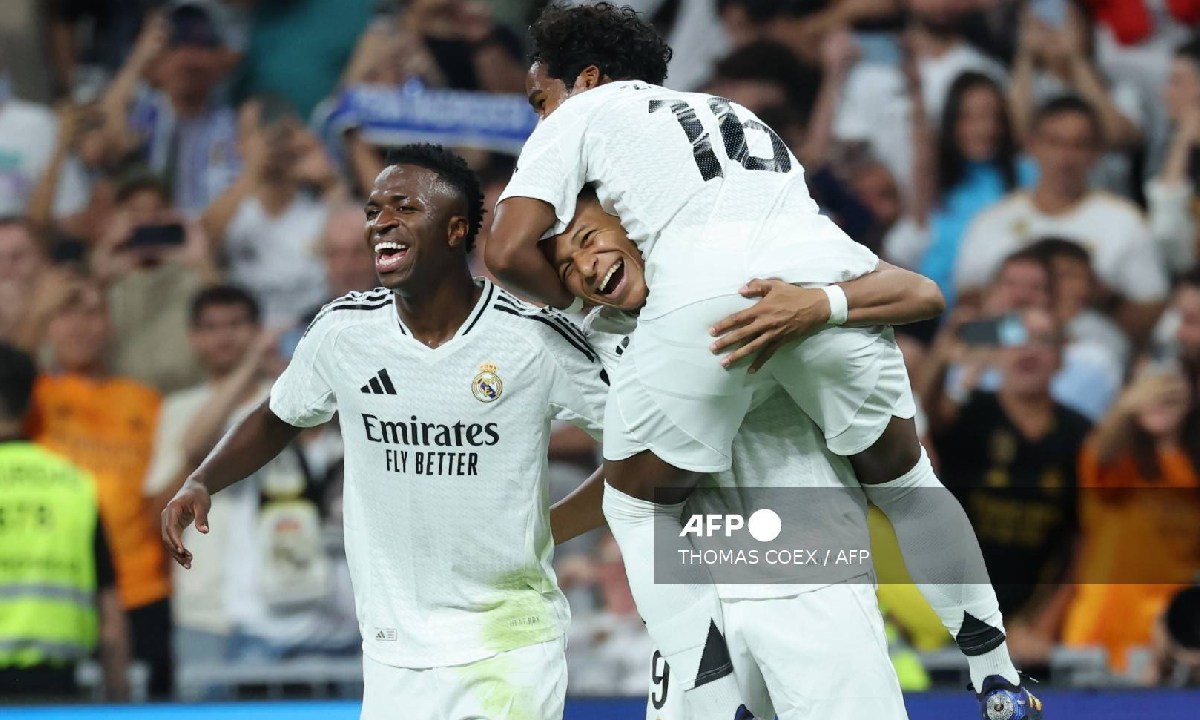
column 452, row 170
column 614, row 39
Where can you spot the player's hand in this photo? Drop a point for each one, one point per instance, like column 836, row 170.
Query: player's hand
column 191, row 503
column 786, row 312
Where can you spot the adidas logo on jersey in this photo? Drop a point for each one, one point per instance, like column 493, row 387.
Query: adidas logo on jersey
column 386, row 634
column 381, row 384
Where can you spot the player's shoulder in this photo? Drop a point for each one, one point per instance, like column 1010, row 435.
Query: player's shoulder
column 350, row 309
column 1113, row 206
column 544, row 327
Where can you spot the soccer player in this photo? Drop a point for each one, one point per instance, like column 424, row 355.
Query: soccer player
column 445, row 386
column 712, row 197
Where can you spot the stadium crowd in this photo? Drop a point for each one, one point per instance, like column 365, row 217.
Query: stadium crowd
column 180, row 192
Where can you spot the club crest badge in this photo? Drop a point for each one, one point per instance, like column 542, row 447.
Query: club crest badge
column 487, row 385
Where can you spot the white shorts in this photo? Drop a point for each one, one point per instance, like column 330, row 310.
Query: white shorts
column 528, row 683
column 671, row 396
column 813, row 656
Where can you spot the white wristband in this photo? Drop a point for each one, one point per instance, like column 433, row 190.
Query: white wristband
column 575, row 306
column 839, row 308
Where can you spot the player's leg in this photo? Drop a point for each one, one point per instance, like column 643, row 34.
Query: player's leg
column 843, row 672
column 390, row 691
column 666, row 702
column 672, row 412
column 528, row 683
column 852, row 383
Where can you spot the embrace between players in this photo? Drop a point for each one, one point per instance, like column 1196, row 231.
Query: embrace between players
column 657, row 206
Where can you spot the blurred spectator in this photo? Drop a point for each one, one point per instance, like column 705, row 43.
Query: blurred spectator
column 1088, row 330
column 349, row 260
column 22, row 264
column 1141, row 515
column 609, row 649
column 1087, row 379
column 151, row 262
column 1010, row 458
column 1170, row 195
column 1064, row 140
column 82, row 164
column 105, row 424
column 1056, row 60
column 225, row 335
column 692, row 29
column 764, row 74
column 1135, row 38
column 975, row 167
column 877, row 108
column 267, row 222
column 28, row 140
column 58, row 589
column 298, row 49
column 164, row 104
column 87, row 41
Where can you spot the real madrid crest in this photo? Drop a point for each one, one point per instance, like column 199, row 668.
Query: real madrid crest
column 487, row 385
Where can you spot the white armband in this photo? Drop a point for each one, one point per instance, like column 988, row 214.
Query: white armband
column 839, row 308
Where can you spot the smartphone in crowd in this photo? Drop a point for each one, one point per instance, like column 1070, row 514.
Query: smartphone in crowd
column 155, row 236
column 1002, row 331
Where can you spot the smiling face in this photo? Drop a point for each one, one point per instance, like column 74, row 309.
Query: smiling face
column 416, row 226
column 596, row 260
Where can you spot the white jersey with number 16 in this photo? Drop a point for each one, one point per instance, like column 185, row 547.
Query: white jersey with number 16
column 710, row 194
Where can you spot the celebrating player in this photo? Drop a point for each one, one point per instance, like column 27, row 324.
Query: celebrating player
column 791, row 645
column 445, row 387
column 712, row 197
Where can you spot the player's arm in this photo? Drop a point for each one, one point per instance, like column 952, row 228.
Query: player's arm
column 259, row 436
column 512, row 253
column 579, row 511
column 301, row 397
column 540, row 197
column 888, row 296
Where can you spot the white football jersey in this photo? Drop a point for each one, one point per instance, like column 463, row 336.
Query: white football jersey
column 777, row 447
column 711, row 196
column 446, row 497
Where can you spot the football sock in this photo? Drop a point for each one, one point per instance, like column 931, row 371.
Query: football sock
column 684, row 620
column 944, row 560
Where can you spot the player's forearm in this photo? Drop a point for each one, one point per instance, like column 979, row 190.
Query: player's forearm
column 580, row 511
column 513, row 256
column 249, row 444
column 891, row 296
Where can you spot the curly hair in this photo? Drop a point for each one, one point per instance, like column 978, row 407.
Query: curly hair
column 452, row 170
column 614, row 39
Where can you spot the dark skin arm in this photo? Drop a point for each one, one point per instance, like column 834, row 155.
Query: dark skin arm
column 580, row 511
column 248, row 445
column 888, row 296
column 512, row 252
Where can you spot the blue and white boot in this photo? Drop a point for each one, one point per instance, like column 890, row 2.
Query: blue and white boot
column 1001, row 700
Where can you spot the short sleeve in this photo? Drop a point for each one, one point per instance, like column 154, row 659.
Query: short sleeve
column 553, row 165
column 579, row 383
column 983, row 248
column 1141, row 275
column 303, row 395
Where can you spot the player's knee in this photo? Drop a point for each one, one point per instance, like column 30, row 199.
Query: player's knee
column 647, row 477
column 897, row 451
